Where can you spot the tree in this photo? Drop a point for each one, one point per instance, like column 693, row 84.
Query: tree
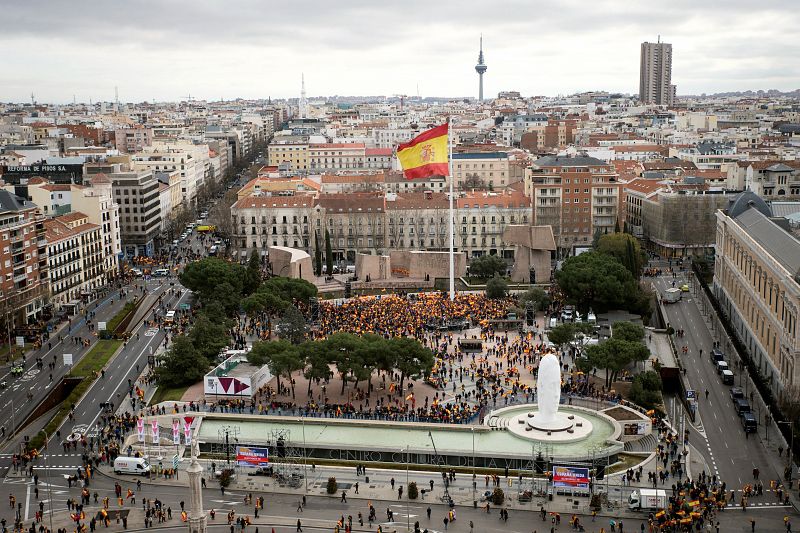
column 292, row 325
column 646, row 389
column 253, row 279
column 613, row 355
column 318, row 361
column 204, row 276
column 328, row 254
column 574, row 334
column 290, row 289
column 281, row 357
column 208, row 337
column 317, row 256
column 537, row 297
column 487, row 266
column 626, row 249
column 496, row 287
column 182, row 364
column 627, row 331
column 343, row 348
column 596, row 281
column 411, row 358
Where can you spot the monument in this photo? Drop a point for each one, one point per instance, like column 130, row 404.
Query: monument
column 197, row 517
column 546, row 423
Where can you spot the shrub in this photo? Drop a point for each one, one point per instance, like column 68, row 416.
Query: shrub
column 413, row 492
column 498, row 496
column 332, row 485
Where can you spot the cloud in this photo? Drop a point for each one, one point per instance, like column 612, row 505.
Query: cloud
column 165, row 49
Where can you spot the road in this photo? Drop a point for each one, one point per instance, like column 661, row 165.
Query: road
column 721, row 436
column 322, row 511
column 14, row 404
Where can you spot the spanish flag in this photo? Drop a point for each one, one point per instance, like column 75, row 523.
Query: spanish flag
column 426, row 154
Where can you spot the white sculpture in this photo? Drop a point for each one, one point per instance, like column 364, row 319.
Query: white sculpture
column 548, row 386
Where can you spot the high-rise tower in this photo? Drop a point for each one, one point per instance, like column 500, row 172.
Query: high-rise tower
column 480, row 68
column 655, row 74
column 303, row 105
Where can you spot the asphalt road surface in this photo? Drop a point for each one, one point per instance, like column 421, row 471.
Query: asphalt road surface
column 719, row 432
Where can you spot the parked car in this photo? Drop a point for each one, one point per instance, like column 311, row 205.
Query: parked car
column 736, row 392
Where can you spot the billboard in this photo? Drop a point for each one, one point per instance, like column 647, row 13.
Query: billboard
column 56, row 173
column 570, row 476
column 247, row 456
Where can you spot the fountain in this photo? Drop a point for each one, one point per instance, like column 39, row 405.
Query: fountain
column 546, row 423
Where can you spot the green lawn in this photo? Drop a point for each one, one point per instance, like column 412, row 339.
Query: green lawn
column 96, row 359
column 4, row 350
column 166, row 394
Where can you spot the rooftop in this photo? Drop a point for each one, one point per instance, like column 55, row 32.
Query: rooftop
column 779, row 244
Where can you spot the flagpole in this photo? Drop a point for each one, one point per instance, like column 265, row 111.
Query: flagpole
column 452, row 214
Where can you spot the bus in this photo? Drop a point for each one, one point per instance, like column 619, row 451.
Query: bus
column 169, row 320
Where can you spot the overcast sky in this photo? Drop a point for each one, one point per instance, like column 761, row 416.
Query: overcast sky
column 213, row 49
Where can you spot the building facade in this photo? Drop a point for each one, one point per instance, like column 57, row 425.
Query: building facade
column 75, row 258
column 655, row 74
column 578, row 196
column 24, row 268
column 757, row 282
column 136, row 193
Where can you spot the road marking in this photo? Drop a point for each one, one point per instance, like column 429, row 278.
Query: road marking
column 27, row 500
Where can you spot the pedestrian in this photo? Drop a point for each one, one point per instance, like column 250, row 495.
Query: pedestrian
column 344, row 496
column 299, row 525
column 445, row 521
column 428, row 511
column 299, row 506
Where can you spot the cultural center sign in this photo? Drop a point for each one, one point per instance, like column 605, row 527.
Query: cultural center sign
column 248, row 456
column 571, row 476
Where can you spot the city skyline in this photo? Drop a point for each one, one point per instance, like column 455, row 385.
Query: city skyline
column 250, row 50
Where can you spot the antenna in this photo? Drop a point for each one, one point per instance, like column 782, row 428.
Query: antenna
column 659, row 39
column 116, row 95
column 33, row 101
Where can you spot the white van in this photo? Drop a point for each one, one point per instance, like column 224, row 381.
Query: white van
column 163, row 272
column 131, row 465
column 553, row 322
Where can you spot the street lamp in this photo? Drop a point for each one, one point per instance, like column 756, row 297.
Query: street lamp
column 790, row 423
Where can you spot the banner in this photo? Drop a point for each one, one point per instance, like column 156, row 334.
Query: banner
column 176, row 432
column 154, row 428
column 247, row 456
column 571, row 476
column 187, row 430
column 140, row 429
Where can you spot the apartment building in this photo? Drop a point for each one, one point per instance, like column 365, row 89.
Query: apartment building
column 333, row 157
column 263, row 221
column 578, row 196
column 355, row 221
column 655, row 74
column 291, row 154
column 24, row 269
column 489, row 169
column 481, row 219
column 192, row 169
column 132, row 140
column 417, row 221
column 757, row 282
column 96, row 200
column 553, row 134
column 774, row 180
column 75, row 258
